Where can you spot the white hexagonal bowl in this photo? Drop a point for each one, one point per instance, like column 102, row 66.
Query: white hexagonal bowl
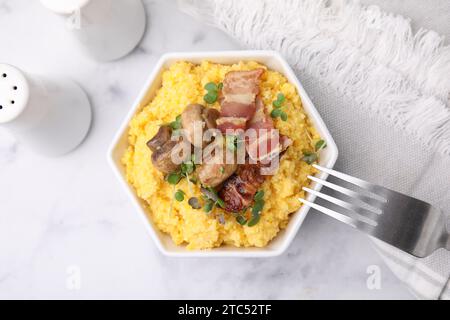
column 273, row 61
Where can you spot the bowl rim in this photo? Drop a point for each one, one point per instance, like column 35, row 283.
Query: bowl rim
column 137, row 106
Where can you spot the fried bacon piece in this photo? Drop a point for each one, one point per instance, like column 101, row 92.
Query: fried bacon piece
column 225, row 124
column 242, row 108
column 238, row 95
column 238, row 191
column 260, row 119
column 266, row 142
column 286, row 142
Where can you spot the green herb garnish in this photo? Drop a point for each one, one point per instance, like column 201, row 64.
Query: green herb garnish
column 222, row 170
column 254, row 220
column 309, row 157
column 211, row 86
column 176, row 125
column 241, row 217
column 257, row 207
column 241, row 220
column 173, row 178
column 209, row 205
column 179, row 195
column 277, row 112
column 220, row 203
column 259, row 195
column 213, row 92
column 210, row 97
column 280, row 100
column 187, row 167
column 212, row 198
column 321, row 144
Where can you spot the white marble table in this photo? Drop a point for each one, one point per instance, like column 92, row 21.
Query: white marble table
column 61, row 216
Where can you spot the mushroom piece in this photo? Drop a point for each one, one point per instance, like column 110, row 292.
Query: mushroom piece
column 193, row 120
column 162, row 136
column 214, row 170
column 163, row 148
column 212, row 175
column 210, row 115
column 162, row 158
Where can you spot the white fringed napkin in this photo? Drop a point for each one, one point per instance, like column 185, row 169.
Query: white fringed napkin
column 382, row 90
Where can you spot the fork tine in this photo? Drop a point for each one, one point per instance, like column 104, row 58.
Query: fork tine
column 349, row 206
column 338, row 216
column 373, row 188
column 365, row 199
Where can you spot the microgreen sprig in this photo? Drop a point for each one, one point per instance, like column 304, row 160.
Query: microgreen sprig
column 279, row 102
column 259, row 195
column 173, row 178
column 309, row 157
column 312, row 156
column 278, row 112
column 187, row 168
column 209, row 205
column 321, row 144
column 256, row 211
column 212, row 92
column 212, row 199
column 241, row 220
column 176, row 125
column 179, row 195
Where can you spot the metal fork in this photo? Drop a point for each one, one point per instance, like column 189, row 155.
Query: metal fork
column 409, row 224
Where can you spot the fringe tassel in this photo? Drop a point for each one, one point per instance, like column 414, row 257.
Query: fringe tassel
column 362, row 52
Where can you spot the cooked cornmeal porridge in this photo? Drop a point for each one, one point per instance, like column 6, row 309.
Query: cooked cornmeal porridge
column 198, row 210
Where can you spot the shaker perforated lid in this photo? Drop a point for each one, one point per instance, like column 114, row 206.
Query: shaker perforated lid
column 14, row 93
column 65, row 6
